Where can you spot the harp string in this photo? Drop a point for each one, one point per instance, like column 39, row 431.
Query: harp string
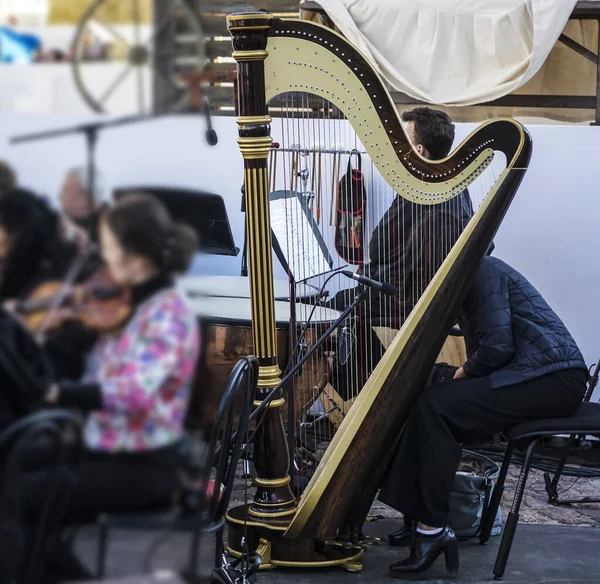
column 313, row 153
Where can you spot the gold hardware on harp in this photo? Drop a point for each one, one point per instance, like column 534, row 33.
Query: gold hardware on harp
column 276, row 58
column 274, row 498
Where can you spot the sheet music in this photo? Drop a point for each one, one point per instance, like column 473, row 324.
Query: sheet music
column 295, row 234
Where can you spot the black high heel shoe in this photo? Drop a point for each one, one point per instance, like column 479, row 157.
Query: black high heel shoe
column 423, row 553
column 403, row 536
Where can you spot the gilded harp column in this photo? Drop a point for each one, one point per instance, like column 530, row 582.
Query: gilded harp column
column 274, row 498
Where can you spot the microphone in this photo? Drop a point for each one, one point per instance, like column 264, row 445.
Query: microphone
column 379, row 286
column 211, row 135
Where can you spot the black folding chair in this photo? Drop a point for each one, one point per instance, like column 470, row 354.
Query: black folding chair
column 226, row 445
column 50, row 444
column 551, row 484
column 585, row 422
column 223, row 453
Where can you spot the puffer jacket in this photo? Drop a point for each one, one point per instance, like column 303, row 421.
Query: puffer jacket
column 511, row 334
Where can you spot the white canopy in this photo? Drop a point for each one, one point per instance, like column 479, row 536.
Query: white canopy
column 453, row 52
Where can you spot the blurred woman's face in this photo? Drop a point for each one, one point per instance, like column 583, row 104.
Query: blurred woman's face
column 125, row 268
column 115, row 257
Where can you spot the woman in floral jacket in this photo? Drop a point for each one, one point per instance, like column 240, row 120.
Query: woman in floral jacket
column 137, row 383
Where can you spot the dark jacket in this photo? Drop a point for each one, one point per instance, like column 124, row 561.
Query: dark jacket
column 511, row 333
column 392, row 250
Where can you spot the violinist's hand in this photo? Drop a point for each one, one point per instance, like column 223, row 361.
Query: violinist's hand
column 460, row 373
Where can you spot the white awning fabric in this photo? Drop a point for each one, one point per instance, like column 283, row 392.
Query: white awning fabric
column 453, row 52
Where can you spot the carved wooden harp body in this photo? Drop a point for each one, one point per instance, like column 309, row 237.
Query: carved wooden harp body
column 277, row 57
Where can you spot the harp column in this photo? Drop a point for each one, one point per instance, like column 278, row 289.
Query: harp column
column 274, row 498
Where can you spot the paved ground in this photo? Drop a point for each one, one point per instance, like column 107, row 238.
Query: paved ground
column 560, row 545
column 542, row 554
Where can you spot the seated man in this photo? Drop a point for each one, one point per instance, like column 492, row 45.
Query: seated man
column 432, row 134
column 522, row 364
column 393, row 259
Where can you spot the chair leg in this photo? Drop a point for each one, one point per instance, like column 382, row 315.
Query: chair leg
column 218, row 548
column 552, row 485
column 513, row 517
column 492, row 510
column 102, row 547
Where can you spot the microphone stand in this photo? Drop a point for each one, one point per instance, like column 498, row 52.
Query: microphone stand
column 360, row 297
column 90, row 131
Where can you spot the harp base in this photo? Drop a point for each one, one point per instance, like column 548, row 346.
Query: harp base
column 266, row 538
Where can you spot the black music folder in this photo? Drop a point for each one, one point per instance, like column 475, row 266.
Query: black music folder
column 203, row 212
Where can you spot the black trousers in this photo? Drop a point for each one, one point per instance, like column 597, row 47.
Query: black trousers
column 419, row 478
column 105, row 483
column 109, row 483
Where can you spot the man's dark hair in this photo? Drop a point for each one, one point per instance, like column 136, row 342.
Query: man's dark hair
column 8, row 178
column 433, row 129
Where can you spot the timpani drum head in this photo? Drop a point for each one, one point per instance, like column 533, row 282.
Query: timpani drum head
column 238, row 287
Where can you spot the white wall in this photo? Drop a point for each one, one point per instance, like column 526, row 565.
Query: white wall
column 550, row 232
column 169, row 151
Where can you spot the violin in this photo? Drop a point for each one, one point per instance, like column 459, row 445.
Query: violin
column 99, row 304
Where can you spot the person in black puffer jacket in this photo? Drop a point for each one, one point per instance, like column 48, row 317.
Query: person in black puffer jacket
column 522, row 364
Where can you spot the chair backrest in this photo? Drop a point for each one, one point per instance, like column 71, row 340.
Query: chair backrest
column 48, row 442
column 227, row 441
column 593, row 382
column 225, row 448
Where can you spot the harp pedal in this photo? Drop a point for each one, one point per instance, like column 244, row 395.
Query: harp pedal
column 353, row 566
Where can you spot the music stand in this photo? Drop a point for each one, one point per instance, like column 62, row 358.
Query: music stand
column 204, row 212
column 293, row 223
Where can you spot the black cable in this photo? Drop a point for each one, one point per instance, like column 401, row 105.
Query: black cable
column 271, row 396
column 301, row 337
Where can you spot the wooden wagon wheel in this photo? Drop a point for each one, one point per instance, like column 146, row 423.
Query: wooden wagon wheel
column 136, row 55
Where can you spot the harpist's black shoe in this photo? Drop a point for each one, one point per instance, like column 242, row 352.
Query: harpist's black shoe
column 423, row 553
column 405, row 534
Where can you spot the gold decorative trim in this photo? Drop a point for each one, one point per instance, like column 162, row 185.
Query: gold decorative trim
column 316, row 564
column 253, row 148
column 269, row 376
column 251, row 27
column 276, row 403
column 253, row 120
column 249, row 15
column 273, row 482
column 252, row 523
column 285, row 513
column 264, row 550
column 242, row 56
column 281, row 504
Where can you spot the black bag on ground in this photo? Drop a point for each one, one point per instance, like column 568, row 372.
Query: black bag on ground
column 472, row 489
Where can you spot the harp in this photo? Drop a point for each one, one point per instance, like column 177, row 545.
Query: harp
column 285, row 67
